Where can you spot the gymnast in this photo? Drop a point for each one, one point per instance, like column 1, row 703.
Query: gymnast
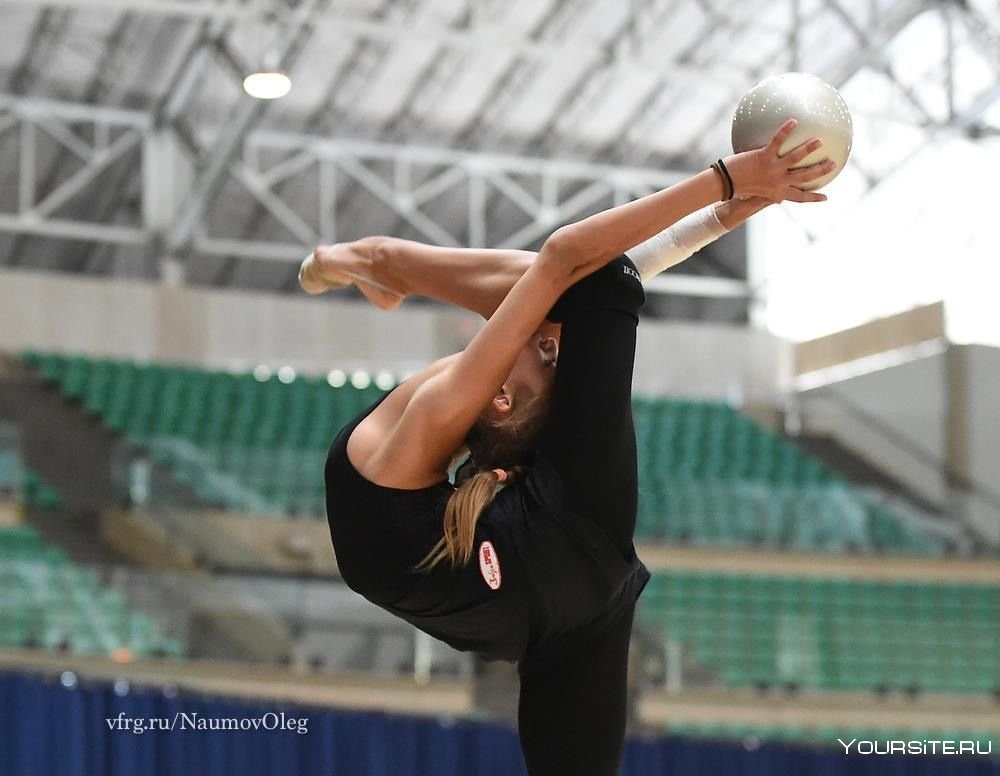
column 530, row 559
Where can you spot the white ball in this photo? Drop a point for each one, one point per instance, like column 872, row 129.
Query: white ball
column 819, row 109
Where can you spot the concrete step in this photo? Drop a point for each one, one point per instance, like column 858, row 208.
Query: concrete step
column 71, row 448
column 77, row 533
column 856, row 469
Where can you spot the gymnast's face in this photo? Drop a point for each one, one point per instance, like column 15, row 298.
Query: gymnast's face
column 532, row 374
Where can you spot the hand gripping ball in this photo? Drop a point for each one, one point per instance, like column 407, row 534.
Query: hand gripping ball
column 818, row 107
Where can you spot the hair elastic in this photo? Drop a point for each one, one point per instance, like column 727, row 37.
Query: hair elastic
column 727, row 182
column 730, row 187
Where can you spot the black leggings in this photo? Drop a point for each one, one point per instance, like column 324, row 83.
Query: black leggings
column 589, row 436
column 571, row 717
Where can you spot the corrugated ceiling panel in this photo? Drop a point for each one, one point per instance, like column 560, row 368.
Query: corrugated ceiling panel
column 15, row 29
column 625, row 92
column 75, row 61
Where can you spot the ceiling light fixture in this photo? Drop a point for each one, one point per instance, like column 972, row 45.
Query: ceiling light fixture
column 268, row 81
column 267, row 84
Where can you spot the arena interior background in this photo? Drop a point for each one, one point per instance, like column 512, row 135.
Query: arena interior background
column 816, row 393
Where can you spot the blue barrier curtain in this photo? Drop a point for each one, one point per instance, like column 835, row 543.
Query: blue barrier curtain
column 48, row 729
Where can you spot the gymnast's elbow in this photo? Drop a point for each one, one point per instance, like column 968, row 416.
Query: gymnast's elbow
column 565, row 253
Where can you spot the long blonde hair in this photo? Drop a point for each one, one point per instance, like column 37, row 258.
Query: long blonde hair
column 506, row 445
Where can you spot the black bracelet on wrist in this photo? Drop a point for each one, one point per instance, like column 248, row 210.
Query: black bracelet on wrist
column 727, row 182
column 715, row 168
column 730, row 188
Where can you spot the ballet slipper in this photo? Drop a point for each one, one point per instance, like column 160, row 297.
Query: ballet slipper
column 312, row 280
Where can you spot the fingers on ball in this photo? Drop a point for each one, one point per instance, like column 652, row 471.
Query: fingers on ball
column 803, row 150
column 813, row 171
column 783, row 132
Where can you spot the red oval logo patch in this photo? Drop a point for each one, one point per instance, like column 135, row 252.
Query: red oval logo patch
column 489, row 565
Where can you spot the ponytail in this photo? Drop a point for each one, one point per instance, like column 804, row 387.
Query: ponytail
column 461, row 514
column 500, row 451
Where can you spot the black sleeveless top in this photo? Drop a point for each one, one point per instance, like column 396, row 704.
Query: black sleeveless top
column 537, row 577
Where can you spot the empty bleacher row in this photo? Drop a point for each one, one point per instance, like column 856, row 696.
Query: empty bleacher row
column 831, row 634
column 708, row 475
column 47, row 602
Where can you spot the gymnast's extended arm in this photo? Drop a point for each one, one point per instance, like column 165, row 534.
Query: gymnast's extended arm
column 411, row 446
column 479, row 279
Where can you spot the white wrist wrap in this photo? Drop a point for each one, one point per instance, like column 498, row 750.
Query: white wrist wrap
column 677, row 242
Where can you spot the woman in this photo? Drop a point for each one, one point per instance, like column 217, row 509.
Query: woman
column 541, row 572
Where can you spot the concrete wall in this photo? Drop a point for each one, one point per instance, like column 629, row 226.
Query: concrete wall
column 909, row 400
column 729, row 363
column 945, row 405
column 218, row 329
column 983, row 433
column 238, row 330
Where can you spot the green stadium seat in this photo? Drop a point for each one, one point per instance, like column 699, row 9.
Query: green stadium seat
column 52, row 604
column 832, row 634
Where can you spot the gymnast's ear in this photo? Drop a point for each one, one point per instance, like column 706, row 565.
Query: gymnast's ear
column 503, row 402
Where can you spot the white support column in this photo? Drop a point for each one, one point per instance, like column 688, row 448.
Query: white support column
column 477, row 210
column 327, row 201
column 423, row 657
column 27, row 172
column 167, row 175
